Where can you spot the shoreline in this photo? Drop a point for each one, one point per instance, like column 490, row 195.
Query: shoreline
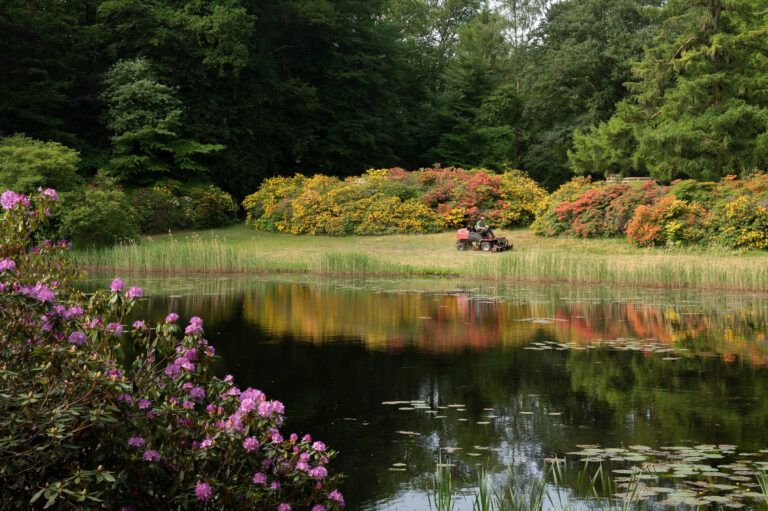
column 608, row 262
column 484, row 278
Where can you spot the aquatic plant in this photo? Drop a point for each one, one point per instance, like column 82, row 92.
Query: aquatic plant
column 83, row 424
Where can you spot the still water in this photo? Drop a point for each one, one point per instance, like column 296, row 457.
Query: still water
column 399, row 375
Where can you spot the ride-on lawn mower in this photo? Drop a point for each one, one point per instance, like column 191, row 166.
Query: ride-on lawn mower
column 469, row 238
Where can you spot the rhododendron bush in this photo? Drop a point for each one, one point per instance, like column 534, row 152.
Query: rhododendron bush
column 84, row 426
column 387, row 201
column 732, row 212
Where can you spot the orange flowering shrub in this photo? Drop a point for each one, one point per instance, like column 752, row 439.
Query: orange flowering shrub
column 669, row 222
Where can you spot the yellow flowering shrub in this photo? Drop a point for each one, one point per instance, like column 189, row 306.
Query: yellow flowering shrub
column 390, row 215
column 522, row 197
column 383, row 201
column 743, row 222
column 270, row 207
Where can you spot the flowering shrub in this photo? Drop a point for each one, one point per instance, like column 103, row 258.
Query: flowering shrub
column 386, row 201
column 83, row 426
column 548, row 222
column 622, row 208
column 742, row 223
column 604, row 211
column 669, row 222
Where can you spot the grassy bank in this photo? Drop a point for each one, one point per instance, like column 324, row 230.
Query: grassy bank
column 608, row 261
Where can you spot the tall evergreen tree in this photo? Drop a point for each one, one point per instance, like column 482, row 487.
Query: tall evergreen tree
column 699, row 104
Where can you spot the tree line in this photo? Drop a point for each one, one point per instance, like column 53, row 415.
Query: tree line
column 234, row 91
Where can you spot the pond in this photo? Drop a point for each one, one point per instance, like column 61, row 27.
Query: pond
column 400, row 375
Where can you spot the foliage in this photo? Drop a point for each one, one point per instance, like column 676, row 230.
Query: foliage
column 171, row 206
column 699, row 106
column 669, row 222
column 145, row 117
column 213, row 206
column 547, row 222
column 578, row 69
column 84, row 424
column 27, row 164
column 158, row 210
column 393, row 201
column 97, row 214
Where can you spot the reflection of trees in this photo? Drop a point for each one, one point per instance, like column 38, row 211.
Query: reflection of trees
column 658, row 400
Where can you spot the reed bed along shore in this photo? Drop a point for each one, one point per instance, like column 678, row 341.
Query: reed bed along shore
column 611, row 262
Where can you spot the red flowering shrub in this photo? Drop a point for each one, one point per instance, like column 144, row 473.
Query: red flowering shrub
column 548, row 222
column 83, row 426
column 622, row 208
column 587, row 214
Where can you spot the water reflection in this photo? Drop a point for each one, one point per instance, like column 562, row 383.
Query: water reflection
column 535, row 370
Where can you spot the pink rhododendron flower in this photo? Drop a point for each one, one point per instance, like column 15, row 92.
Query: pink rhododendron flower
column 134, row 292
column 318, row 473
column 259, row 478
column 136, row 441
column 144, row 404
column 251, row 444
column 151, row 455
column 337, row 497
column 284, row 507
column 115, row 329
column 117, row 285
column 170, row 318
column 8, row 199
column 78, row 338
column 318, row 446
column 203, row 491
column 7, row 264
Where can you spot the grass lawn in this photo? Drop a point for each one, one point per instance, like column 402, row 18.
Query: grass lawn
column 239, row 248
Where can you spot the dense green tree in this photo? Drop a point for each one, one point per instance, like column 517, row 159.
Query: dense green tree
column 49, row 60
column 145, row 117
column 26, row 164
column 699, row 104
column 480, row 66
column 576, row 74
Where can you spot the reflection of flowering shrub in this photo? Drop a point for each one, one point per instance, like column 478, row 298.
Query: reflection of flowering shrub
column 82, row 425
column 393, row 200
column 670, row 221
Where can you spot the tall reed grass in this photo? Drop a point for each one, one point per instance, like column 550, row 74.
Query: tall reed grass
column 551, row 264
column 663, row 270
column 590, row 491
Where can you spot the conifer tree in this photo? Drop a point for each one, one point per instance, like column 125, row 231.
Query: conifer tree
column 699, row 103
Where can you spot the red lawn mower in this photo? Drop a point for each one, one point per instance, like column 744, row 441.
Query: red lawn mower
column 486, row 241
